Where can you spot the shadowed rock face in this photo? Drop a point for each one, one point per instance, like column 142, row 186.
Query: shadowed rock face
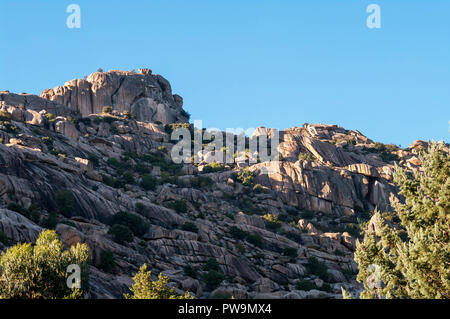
column 149, row 97
column 100, row 159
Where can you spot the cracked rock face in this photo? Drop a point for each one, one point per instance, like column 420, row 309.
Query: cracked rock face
column 149, row 97
column 190, row 215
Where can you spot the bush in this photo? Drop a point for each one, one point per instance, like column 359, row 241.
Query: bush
column 308, row 285
column 201, row 182
column 167, row 178
column 213, row 167
column 385, row 150
column 140, row 208
column 290, row 252
column 107, row 109
column 17, row 208
column 317, row 268
column 108, row 180
column 142, row 168
column 149, row 183
column 188, row 226
column 33, row 213
column 307, row 214
column 121, row 234
column 272, row 222
column 295, row 237
column 353, row 230
column 255, row 239
column 212, row 279
column 325, row 287
column 240, row 248
column 39, row 271
column 338, row 252
column 145, row 288
column 113, row 162
column 190, row 271
column 127, row 115
column 107, row 260
column 271, row 218
column 50, row 221
column 185, row 114
column 162, row 148
column 5, row 116
column 169, row 128
column 238, row 233
column 65, row 202
column 156, row 159
column 8, row 127
column 248, row 208
column 258, row 188
column 134, row 222
column 305, row 285
column 128, row 178
column 178, row 205
column 246, row 177
column 306, row 157
column 94, row 159
column 212, row 264
column 50, row 117
column 85, row 120
column 388, row 156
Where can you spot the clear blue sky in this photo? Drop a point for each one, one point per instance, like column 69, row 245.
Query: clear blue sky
column 248, row 63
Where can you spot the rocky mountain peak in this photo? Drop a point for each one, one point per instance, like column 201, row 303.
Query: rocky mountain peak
column 145, row 95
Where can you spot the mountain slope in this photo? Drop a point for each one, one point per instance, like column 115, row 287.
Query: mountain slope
column 67, row 164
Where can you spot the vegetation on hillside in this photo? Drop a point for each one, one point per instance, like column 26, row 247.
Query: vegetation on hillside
column 145, row 288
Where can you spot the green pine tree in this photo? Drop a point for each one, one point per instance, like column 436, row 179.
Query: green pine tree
column 411, row 258
column 145, row 288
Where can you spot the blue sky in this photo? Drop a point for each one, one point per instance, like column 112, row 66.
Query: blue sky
column 249, row 63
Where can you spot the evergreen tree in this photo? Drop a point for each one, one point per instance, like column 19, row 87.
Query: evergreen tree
column 411, row 259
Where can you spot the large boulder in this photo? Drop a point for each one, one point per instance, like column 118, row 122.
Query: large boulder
column 66, row 128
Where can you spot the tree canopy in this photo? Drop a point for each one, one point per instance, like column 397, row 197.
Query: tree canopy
column 40, row 271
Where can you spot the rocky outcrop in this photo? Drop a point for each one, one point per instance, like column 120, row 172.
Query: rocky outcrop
column 17, row 227
column 146, row 96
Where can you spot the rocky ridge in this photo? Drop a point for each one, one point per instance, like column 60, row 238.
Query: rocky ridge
column 69, row 163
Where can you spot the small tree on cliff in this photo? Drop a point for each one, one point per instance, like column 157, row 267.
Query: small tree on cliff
column 411, row 259
column 145, row 288
column 40, row 271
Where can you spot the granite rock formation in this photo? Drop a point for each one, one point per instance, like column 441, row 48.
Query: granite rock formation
column 63, row 159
